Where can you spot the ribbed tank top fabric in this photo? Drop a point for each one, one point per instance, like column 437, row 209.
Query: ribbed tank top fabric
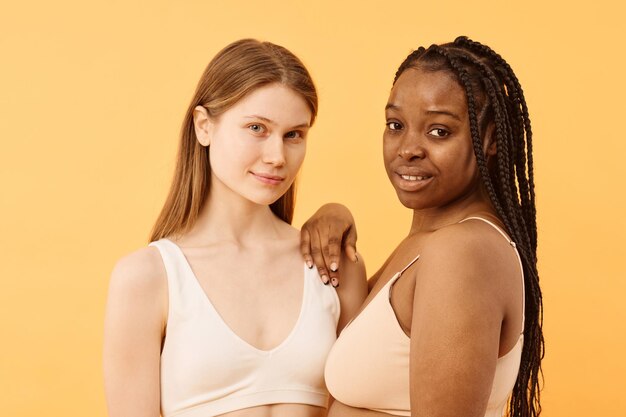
column 368, row 367
column 208, row 370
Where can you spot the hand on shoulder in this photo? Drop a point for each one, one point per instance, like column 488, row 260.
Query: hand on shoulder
column 327, row 238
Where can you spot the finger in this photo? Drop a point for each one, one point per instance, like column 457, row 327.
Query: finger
column 349, row 243
column 333, row 251
column 332, row 254
column 330, row 266
column 305, row 247
column 318, row 258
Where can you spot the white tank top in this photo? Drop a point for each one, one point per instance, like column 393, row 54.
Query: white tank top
column 208, row 370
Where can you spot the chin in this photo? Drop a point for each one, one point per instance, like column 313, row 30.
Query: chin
column 408, row 201
column 415, row 206
column 266, row 200
column 413, row 202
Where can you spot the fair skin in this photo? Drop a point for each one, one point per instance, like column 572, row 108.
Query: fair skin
column 461, row 303
column 239, row 252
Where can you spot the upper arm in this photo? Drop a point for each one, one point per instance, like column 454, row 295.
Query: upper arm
column 352, row 289
column 134, row 326
column 455, row 331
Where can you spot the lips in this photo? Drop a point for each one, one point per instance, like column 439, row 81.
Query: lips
column 267, row 178
column 413, row 171
column 411, row 179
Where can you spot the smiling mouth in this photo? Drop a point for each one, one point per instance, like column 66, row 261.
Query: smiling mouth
column 414, row 177
column 413, row 183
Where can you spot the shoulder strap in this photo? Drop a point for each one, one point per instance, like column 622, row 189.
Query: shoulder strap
column 174, row 269
column 169, row 257
column 408, row 265
column 492, row 225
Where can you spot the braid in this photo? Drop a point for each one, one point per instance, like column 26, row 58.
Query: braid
column 409, row 60
column 527, row 387
column 514, row 87
column 510, row 188
column 505, row 140
column 474, row 130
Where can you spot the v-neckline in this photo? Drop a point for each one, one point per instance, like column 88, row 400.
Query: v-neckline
column 226, row 326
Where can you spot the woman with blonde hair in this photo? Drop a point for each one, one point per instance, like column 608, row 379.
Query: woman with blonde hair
column 219, row 315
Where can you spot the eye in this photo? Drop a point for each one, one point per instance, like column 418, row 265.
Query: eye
column 294, row 134
column 257, row 128
column 394, row 126
column 438, row 132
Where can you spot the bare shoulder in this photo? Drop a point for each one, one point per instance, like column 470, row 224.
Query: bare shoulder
column 288, row 236
column 138, row 294
column 472, row 252
column 286, row 230
column 468, row 241
column 140, row 272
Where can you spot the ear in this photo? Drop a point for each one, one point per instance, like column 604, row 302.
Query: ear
column 490, row 147
column 203, row 125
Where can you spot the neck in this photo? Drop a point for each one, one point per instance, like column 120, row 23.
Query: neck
column 431, row 219
column 228, row 217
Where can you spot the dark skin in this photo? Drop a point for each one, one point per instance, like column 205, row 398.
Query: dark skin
column 467, row 281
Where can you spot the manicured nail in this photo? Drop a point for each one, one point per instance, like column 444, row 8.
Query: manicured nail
column 335, row 282
column 309, row 264
column 333, row 267
column 325, row 279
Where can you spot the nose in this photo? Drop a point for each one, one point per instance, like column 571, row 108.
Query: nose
column 273, row 151
column 411, row 147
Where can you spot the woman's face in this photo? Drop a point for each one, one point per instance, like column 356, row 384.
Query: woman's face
column 427, row 144
column 257, row 146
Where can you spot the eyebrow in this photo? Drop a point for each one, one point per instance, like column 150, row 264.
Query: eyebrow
column 391, row 106
column 265, row 119
column 447, row 113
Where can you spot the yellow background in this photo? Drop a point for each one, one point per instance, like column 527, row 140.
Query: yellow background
column 92, row 94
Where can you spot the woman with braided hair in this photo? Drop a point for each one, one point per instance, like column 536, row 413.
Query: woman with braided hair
column 452, row 322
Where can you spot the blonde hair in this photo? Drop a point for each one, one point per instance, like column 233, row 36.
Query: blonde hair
column 234, row 72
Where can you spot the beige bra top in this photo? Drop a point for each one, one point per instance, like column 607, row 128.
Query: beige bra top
column 368, row 367
column 208, row 370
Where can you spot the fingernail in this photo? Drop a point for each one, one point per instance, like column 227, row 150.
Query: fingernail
column 333, row 266
column 325, row 279
column 335, row 282
column 309, row 264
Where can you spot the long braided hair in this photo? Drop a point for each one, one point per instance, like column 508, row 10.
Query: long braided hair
column 494, row 95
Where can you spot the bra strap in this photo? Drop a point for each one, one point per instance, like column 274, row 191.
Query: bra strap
column 408, row 265
column 492, row 225
column 399, row 274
